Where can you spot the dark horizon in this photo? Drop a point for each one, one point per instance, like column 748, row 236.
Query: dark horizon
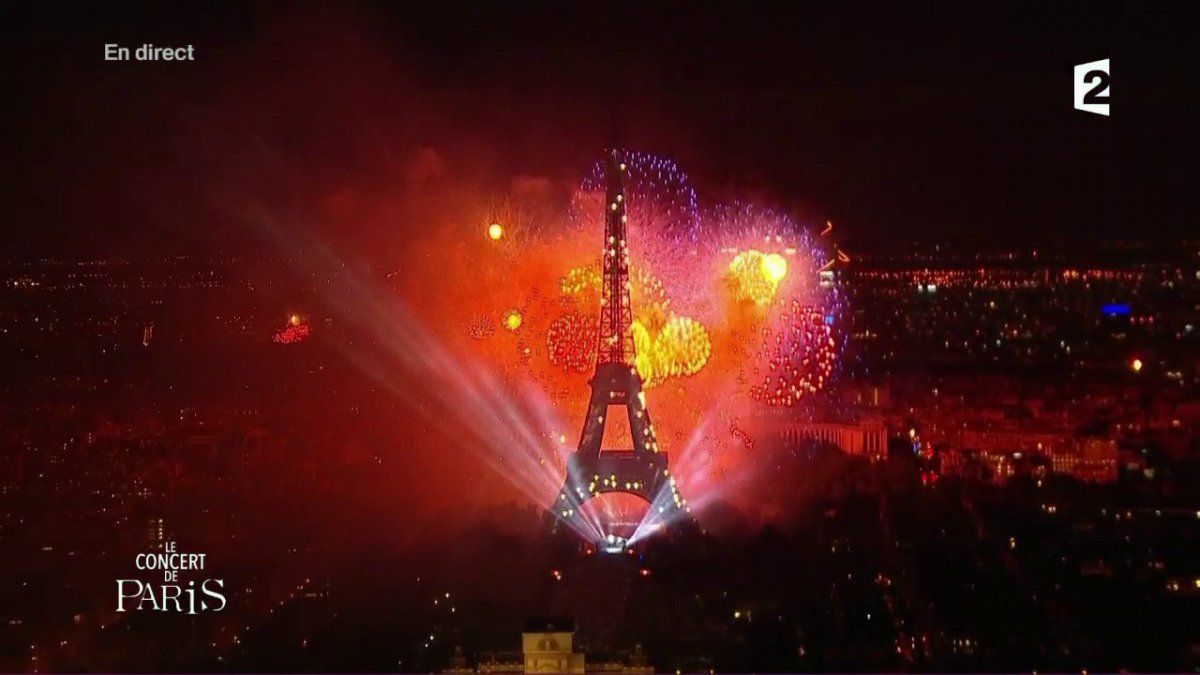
column 951, row 126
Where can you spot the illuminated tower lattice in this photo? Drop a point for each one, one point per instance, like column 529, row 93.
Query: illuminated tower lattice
column 641, row 470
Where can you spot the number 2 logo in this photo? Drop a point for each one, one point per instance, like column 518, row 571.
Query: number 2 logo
column 1091, row 87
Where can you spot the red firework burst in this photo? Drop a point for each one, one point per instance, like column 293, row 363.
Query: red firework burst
column 571, row 342
column 795, row 359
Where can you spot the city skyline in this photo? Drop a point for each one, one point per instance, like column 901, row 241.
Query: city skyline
column 331, row 335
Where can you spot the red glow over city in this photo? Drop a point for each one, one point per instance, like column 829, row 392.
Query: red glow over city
column 724, row 328
column 599, row 339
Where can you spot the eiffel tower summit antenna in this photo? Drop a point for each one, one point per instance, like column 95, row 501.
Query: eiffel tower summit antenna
column 643, row 469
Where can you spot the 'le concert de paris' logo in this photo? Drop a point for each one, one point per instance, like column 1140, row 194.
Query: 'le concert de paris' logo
column 172, row 595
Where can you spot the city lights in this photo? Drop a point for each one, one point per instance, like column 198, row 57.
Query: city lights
column 370, row 341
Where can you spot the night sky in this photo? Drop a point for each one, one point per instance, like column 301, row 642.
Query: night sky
column 899, row 124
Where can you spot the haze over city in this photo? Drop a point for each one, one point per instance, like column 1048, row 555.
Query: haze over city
column 603, row 339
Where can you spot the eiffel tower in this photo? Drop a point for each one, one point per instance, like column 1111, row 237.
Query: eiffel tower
column 641, row 470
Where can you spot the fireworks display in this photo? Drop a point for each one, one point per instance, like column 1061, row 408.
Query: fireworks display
column 730, row 315
column 755, row 276
column 680, row 347
column 571, row 342
column 796, row 358
column 295, row 331
column 481, row 326
column 659, row 193
column 513, row 319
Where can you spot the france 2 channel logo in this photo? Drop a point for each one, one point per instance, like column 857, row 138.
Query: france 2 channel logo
column 1091, row 87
